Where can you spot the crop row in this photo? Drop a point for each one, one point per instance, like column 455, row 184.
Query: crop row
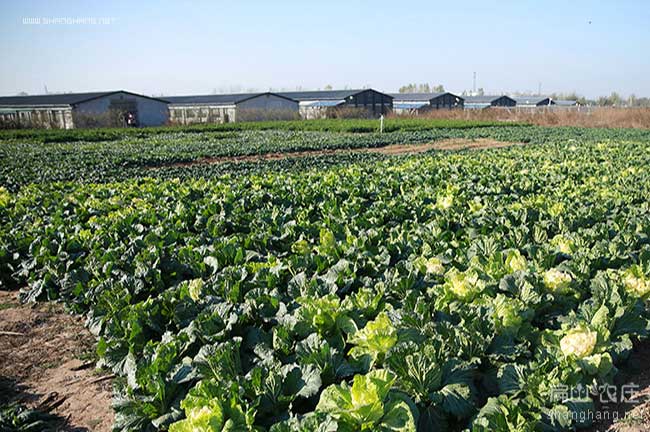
column 454, row 291
column 325, row 125
column 24, row 163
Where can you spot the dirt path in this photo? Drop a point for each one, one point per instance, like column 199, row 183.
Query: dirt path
column 46, row 360
column 396, row 149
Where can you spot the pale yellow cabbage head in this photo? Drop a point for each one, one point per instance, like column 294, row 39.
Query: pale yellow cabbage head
column 194, row 287
column 556, row 209
column 464, row 285
column 563, row 244
column 635, row 282
column 578, row 343
column 5, row 197
column 434, row 266
column 515, row 261
column 556, row 280
column 445, row 201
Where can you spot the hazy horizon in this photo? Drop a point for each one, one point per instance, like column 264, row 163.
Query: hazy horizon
column 171, row 48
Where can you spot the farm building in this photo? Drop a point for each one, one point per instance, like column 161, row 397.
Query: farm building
column 413, row 103
column 533, row 101
column 70, row 110
column 480, row 102
column 320, row 104
column 225, row 108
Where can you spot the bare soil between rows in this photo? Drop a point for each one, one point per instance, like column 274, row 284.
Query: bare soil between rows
column 391, row 150
column 46, row 362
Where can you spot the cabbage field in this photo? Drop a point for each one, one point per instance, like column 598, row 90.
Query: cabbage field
column 450, row 291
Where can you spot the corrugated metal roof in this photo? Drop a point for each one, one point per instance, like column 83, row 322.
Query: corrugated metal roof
column 51, row 99
column 415, row 96
column 63, row 99
column 324, row 94
column 531, row 100
column 482, row 99
column 216, row 99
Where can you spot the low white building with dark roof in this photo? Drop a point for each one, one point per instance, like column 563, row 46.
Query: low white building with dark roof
column 69, row 110
column 225, row 108
column 413, row 103
column 324, row 103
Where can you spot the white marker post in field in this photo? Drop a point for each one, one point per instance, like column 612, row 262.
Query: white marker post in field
column 381, row 124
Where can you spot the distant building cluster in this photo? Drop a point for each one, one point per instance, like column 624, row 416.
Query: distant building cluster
column 123, row 108
column 70, row 110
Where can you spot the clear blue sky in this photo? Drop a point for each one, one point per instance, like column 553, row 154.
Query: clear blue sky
column 174, row 47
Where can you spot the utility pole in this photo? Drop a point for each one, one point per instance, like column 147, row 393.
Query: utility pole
column 474, row 86
column 539, row 89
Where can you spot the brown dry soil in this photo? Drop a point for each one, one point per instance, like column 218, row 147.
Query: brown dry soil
column 46, row 362
column 391, row 150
